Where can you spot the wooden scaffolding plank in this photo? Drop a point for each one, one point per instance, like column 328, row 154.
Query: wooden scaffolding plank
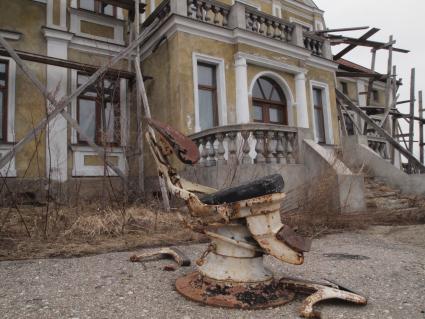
column 64, row 102
column 346, row 100
column 351, row 47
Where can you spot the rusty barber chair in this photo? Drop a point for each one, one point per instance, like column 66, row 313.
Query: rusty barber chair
column 244, row 225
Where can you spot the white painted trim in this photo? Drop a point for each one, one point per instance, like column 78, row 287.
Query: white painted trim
column 248, row 4
column 124, row 111
column 63, row 14
column 308, row 8
column 318, row 25
column 277, row 8
column 84, row 44
column 241, row 86
column 40, row 1
column 152, row 5
column 221, row 87
column 81, row 170
column 9, row 169
column 79, row 15
column 269, row 63
column 190, row 26
column 290, row 100
column 74, row 79
column 303, row 23
column 10, row 35
column 74, row 4
column 49, row 13
column 326, row 110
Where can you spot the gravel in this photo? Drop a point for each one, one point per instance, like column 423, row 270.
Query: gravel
column 387, row 264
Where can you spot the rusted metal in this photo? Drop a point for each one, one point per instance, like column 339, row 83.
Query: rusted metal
column 293, row 240
column 318, row 292
column 231, row 272
column 233, row 295
column 184, row 148
column 164, row 253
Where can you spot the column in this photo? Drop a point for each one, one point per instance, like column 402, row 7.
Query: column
column 242, row 105
column 301, row 94
column 57, row 83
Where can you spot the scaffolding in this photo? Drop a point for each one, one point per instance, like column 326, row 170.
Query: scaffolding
column 382, row 121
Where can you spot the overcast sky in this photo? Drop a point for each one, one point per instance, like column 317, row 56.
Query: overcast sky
column 404, row 20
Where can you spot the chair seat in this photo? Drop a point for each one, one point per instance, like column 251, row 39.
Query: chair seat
column 260, row 187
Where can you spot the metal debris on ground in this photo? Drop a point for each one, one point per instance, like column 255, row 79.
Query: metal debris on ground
column 244, row 224
column 164, row 253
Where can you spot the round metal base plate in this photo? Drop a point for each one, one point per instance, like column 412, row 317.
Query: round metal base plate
column 230, row 295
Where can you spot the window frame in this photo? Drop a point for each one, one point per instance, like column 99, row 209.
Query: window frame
column 375, row 95
column 98, row 9
column 344, row 87
column 5, row 110
column 213, row 89
column 98, row 109
column 320, row 109
column 266, row 105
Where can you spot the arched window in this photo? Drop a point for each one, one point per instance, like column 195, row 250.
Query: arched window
column 269, row 102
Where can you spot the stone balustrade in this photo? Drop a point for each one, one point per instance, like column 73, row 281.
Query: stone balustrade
column 253, row 143
column 379, row 145
column 268, row 25
column 209, row 11
column 245, row 17
column 314, row 44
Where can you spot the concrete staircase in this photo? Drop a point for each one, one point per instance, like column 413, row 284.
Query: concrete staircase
column 380, row 197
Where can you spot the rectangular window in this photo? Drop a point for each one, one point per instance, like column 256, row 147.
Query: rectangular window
column 207, row 96
column 344, row 87
column 98, row 111
column 98, row 6
column 375, row 95
column 4, row 73
column 319, row 115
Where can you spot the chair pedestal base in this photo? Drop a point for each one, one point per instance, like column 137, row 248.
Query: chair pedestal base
column 199, row 288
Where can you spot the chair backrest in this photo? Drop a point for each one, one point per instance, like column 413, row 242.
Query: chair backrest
column 184, row 148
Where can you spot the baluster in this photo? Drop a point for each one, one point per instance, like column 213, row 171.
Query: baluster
column 246, row 159
column 280, row 150
column 268, row 28
column 255, row 23
column 215, row 11
column 270, row 149
column 259, row 147
column 307, row 43
column 225, row 14
column 232, row 148
column 204, row 152
column 207, row 8
column 290, row 148
column 249, row 21
column 211, row 151
column 198, row 6
column 262, row 25
column 220, row 150
column 190, row 8
column 288, row 33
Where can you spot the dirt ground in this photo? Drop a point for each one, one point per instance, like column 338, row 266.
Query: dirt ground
column 74, row 232
column 386, row 264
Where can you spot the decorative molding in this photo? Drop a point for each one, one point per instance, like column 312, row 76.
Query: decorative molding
column 84, row 44
column 9, row 170
column 327, row 112
column 187, row 25
column 221, row 87
column 81, row 170
column 80, row 15
column 321, row 63
column 11, row 101
column 303, row 23
column 269, row 63
column 10, row 35
column 41, row 1
column 305, row 7
column 285, row 88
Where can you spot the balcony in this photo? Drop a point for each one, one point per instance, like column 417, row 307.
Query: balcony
column 243, row 17
column 253, row 143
